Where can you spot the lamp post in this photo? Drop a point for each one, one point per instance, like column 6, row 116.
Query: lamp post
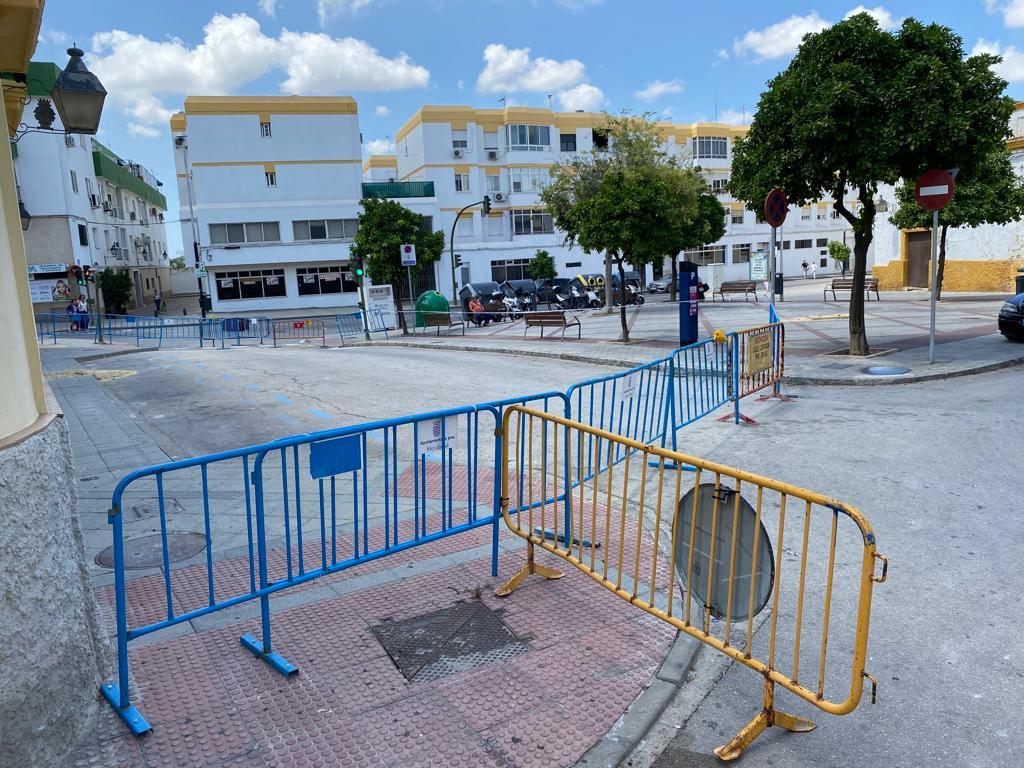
column 26, row 218
column 78, row 96
column 486, row 209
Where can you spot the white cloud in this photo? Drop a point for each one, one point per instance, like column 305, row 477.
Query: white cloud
column 878, row 13
column 722, row 54
column 461, row 84
column 139, row 72
column 377, row 147
column 146, row 131
column 577, row 5
column 734, row 117
column 56, row 36
column 328, row 9
column 778, row 39
column 382, row 111
column 1012, row 11
column 511, row 69
column 267, row 7
column 1011, row 67
column 659, row 88
column 584, row 96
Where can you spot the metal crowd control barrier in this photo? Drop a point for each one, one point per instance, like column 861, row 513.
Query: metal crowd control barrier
column 704, row 553
column 305, row 507
column 758, row 361
column 300, row 329
column 54, row 324
column 238, row 328
column 360, row 323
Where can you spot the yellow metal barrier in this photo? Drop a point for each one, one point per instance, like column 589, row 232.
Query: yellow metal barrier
column 615, row 524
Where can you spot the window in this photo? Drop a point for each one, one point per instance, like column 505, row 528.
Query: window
column 805, row 214
column 821, row 242
column 83, row 234
column 709, row 254
column 325, row 229
column 822, row 262
column 719, row 186
column 737, row 216
column 822, row 212
column 250, row 284
column 573, row 264
column 762, row 247
column 532, row 221
column 464, row 226
column 510, row 269
column 265, row 130
column 74, row 182
column 802, row 244
column 251, row 232
column 271, row 178
column 600, row 139
column 321, row 280
column 493, row 183
column 88, row 187
column 528, row 138
column 741, row 253
column 567, row 142
column 95, row 236
column 69, row 140
column 460, row 140
column 784, row 246
column 494, row 226
column 528, row 179
column 835, row 214
column 710, row 147
column 462, row 182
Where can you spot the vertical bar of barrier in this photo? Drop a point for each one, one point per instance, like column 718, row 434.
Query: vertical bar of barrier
column 734, row 361
column 499, row 438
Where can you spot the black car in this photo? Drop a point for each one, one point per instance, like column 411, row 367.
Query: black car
column 1011, row 318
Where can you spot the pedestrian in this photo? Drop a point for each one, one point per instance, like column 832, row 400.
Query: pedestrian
column 158, row 300
column 83, row 314
column 702, row 288
column 814, row 270
column 805, row 266
column 72, row 310
column 842, row 266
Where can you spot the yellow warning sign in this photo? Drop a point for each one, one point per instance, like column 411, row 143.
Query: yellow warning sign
column 758, row 353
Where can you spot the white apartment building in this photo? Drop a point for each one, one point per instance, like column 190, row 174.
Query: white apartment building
column 507, row 154
column 87, row 206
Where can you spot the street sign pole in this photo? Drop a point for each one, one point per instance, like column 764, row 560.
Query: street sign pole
column 935, row 262
column 771, row 268
column 933, row 191
column 776, row 206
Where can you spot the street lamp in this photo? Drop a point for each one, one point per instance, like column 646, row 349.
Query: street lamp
column 26, row 218
column 881, row 205
column 78, row 96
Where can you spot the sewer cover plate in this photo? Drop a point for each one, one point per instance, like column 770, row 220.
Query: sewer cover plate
column 438, row 644
column 147, row 551
column 885, row 370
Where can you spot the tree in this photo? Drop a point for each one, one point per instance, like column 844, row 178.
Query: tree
column 384, row 226
column 619, row 201
column 858, row 106
column 990, row 193
column 704, row 224
column 177, row 264
column 839, row 252
column 542, row 266
column 116, row 286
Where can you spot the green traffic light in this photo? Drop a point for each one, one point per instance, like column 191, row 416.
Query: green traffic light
column 359, row 272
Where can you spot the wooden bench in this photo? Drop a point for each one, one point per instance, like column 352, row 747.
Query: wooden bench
column 746, row 287
column 553, row 319
column 441, row 320
column 846, row 284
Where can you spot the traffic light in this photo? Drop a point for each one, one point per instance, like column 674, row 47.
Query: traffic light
column 487, row 204
column 87, row 274
column 76, row 272
column 458, row 259
column 359, row 272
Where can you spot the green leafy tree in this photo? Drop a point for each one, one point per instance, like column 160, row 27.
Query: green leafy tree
column 990, row 193
column 858, row 106
column 384, row 226
column 698, row 224
column 542, row 266
column 177, row 264
column 840, row 252
column 116, row 286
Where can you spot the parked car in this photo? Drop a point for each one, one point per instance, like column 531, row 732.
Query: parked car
column 660, row 286
column 1011, row 318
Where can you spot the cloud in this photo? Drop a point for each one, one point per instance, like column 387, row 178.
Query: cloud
column 722, row 54
column 139, row 72
column 584, row 96
column 734, row 117
column 878, row 13
column 328, row 9
column 1012, row 11
column 778, row 39
column 511, row 69
column 382, row 111
column 461, row 84
column 377, row 147
column 577, row 5
column 659, row 88
column 145, row 131
column 56, row 36
column 1011, row 67
column 267, row 7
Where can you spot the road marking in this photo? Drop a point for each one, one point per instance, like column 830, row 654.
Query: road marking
column 321, row 414
column 283, row 399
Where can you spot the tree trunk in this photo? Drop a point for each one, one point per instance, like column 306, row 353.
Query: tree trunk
column 622, row 299
column 608, row 283
column 942, row 262
column 675, row 278
column 858, row 336
column 398, row 308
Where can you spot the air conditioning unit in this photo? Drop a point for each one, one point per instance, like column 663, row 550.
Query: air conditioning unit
column 131, row 215
column 492, row 154
column 499, row 197
column 457, row 153
column 94, row 201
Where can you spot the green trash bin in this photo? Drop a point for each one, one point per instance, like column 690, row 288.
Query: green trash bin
column 430, row 301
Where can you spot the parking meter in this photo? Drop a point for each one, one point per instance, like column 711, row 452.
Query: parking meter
column 688, row 302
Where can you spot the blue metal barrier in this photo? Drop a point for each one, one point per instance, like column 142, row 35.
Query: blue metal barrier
column 702, row 381
column 238, row 328
column 361, row 322
column 70, row 325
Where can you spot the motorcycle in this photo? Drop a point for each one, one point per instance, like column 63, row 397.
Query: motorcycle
column 592, row 299
column 511, row 308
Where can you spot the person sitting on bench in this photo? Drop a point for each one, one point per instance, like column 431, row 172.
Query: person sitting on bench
column 702, row 288
column 479, row 316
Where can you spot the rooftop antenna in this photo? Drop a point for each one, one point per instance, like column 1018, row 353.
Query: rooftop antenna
column 502, row 101
column 549, row 101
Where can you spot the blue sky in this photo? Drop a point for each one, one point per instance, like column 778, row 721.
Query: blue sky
column 684, row 61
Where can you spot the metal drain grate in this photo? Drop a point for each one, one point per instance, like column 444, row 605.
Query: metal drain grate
column 438, row 644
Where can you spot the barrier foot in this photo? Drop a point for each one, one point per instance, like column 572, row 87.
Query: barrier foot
column 670, row 465
column 742, row 418
column 777, row 396
column 525, row 572
column 274, row 659
column 766, row 718
column 132, row 717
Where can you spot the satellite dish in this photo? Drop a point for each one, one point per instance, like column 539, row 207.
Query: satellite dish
column 748, row 531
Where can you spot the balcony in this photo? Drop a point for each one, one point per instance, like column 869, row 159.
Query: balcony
column 397, row 189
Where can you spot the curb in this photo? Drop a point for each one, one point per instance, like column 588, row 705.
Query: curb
column 631, row 728
column 891, row 380
column 105, row 355
column 567, row 356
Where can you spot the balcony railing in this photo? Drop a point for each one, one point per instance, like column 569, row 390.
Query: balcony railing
column 391, row 189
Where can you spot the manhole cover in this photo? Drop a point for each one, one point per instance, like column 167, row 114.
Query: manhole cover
column 440, row 643
column 147, row 551
column 885, row 370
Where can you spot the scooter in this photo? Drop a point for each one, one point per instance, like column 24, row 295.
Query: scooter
column 511, row 308
column 592, row 299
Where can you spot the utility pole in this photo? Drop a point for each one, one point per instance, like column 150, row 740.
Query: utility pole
column 195, row 226
column 486, row 209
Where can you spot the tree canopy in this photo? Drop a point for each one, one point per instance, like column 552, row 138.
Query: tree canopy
column 542, row 266
column 858, row 106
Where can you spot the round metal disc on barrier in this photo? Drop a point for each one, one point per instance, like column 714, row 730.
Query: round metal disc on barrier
column 748, row 530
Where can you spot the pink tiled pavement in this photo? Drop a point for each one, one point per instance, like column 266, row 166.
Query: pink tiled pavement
column 213, row 704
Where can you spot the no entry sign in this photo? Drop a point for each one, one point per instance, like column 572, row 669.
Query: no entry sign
column 934, row 190
column 776, row 207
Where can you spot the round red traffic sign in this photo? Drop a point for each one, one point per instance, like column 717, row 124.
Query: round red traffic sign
column 776, row 207
column 934, row 189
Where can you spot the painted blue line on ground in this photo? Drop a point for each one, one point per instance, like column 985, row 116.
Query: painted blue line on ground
column 287, row 419
column 283, row 399
column 227, row 377
column 253, row 387
column 321, row 414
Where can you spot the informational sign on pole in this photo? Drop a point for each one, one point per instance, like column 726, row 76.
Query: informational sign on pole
column 933, row 191
column 759, row 267
column 409, row 261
